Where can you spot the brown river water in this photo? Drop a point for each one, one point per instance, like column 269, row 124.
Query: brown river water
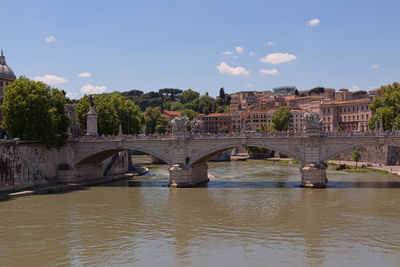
column 252, row 214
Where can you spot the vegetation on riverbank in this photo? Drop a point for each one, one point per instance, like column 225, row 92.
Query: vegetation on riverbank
column 354, row 169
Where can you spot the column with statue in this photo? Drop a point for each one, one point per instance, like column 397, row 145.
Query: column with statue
column 91, row 120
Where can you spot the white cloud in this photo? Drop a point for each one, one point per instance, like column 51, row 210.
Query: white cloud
column 313, row 22
column 92, row 89
column 355, row 88
column 239, row 49
column 224, row 68
column 252, row 54
column 84, row 75
column 50, row 79
column 72, row 95
column 374, row 66
column 50, row 39
column 269, row 43
column 269, row 72
column 249, row 85
column 278, row 58
column 228, row 53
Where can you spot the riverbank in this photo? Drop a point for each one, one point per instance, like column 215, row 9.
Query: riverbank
column 64, row 187
column 368, row 165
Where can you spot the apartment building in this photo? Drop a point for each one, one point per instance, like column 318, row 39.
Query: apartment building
column 351, row 115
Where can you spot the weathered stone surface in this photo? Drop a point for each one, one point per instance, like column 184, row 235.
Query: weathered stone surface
column 87, row 158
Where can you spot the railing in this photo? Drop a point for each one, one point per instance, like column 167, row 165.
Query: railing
column 232, row 135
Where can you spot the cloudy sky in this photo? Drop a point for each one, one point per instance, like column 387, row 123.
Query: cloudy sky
column 101, row 46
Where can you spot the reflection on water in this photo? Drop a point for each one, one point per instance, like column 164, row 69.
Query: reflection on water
column 253, row 214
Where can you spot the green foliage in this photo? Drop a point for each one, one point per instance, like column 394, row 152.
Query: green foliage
column 154, row 121
column 112, row 109
column 162, row 125
column 220, row 109
column 281, row 119
column 356, row 156
column 316, row 91
column 222, row 93
column 170, row 94
column 35, row 111
column 188, row 96
column 224, row 130
column 387, row 108
column 359, row 94
column 190, row 114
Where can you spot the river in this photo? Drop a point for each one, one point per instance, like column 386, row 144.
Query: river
column 252, row 214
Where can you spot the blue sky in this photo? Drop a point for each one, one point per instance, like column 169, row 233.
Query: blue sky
column 203, row 45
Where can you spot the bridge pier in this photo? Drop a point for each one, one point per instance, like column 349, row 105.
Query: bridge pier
column 187, row 176
column 313, row 176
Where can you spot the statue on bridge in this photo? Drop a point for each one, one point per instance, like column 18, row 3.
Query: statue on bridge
column 197, row 126
column 178, row 125
column 313, row 124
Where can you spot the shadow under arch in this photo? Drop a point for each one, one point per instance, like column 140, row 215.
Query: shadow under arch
column 208, row 153
column 345, row 148
column 97, row 155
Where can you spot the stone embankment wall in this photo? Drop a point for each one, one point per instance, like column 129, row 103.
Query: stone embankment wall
column 28, row 164
column 388, row 155
column 121, row 164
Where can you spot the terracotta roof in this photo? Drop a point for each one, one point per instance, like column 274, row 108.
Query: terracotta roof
column 218, row 115
column 353, row 101
column 171, row 113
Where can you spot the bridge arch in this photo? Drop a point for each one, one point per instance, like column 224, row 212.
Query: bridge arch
column 97, row 155
column 334, row 153
column 208, row 153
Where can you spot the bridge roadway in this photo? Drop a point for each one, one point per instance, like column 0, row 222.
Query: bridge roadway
column 187, row 156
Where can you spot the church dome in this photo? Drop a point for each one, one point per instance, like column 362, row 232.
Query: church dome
column 5, row 71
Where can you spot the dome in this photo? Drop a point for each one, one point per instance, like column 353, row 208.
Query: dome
column 5, row 71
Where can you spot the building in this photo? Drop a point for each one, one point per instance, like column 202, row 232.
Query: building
column 169, row 114
column 70, row 112
column 7, row 76
column 253, row 120
column 297, row 122
column 343, row 95
column 215, row 122
column 243, row 101
column 284, row 89
column 347, row 116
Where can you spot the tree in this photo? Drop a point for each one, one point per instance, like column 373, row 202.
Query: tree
column 162, row 125
column 154, row 121
column 316, row 91
column 281, row 118
column 220, row 109
column 387, row 108
column 170, row 94
column 222, row 93
column 296, row 92
column 224, row 130
column 188, row 96
column 356, row 156
column 112, row 109
column 191, row 114
column 35, row 111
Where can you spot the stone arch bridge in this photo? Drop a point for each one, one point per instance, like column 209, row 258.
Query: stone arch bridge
column 187, row 156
